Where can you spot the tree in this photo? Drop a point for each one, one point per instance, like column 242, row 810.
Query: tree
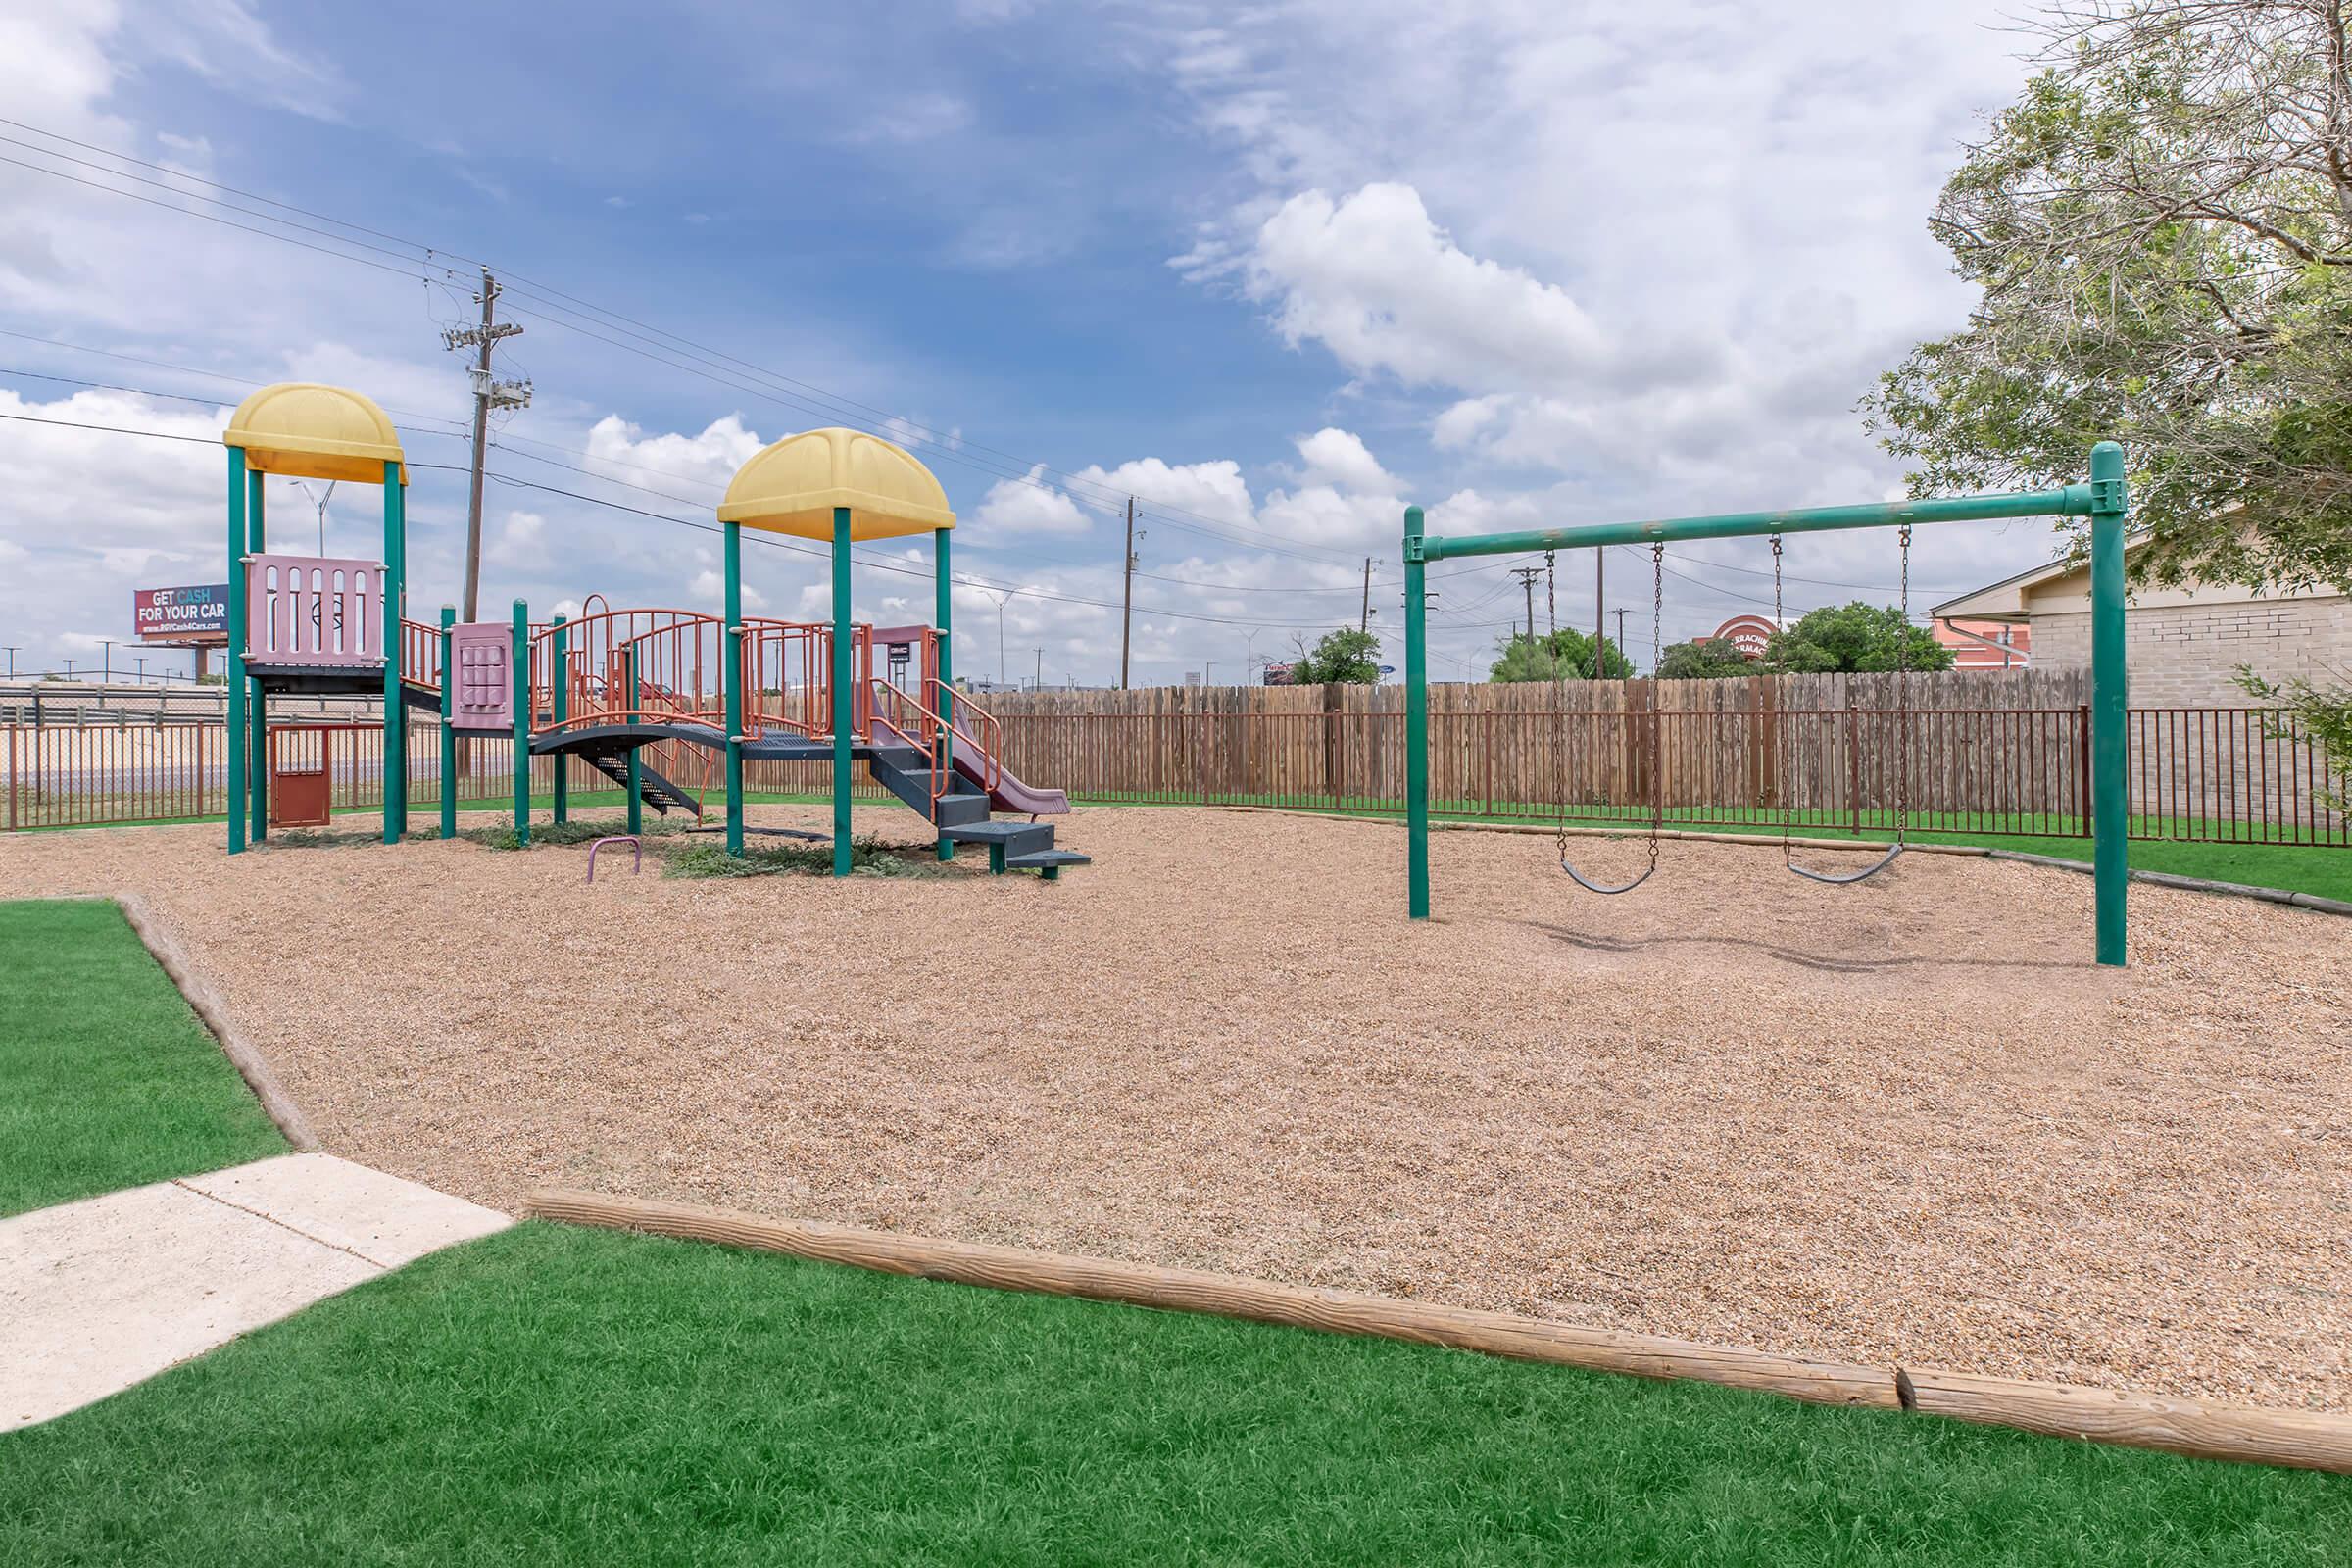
column 1705, row 658
column 2321, row 717
column 1342, row 657
column 1562, row 654
column 1854, row 638
column 2162, row 228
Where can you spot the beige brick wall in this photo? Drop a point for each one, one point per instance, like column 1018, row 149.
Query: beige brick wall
column 2186, row 656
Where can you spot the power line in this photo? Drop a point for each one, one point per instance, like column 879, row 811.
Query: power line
column 423, row 265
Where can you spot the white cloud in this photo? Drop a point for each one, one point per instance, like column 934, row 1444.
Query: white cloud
column 521, row 541
column 1016, row 507
column 1374, row 280
column 1214, row 489
column 619, row 450
column 708, row 587
column 1340, row 458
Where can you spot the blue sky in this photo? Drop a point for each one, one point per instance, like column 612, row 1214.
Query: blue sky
column 1277, row 272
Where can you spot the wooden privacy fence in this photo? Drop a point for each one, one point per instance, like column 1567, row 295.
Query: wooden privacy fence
column 1989, row 754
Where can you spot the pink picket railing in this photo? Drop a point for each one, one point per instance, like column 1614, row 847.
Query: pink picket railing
column 314, row 611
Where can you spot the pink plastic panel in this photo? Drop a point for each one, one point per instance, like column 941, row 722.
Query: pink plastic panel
column 314, row 610
column 485, row 695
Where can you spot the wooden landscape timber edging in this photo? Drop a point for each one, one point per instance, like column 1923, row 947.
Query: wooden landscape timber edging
column 1184, row 1290
column 2308, row 1440
column 250, row 1063
column 1632, row 830
column 2193, row 884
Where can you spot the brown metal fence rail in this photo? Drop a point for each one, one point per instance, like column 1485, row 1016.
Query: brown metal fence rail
column 2233, row 776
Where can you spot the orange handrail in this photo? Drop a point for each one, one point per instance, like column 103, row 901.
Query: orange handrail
column 929, row 722
column 420, row 654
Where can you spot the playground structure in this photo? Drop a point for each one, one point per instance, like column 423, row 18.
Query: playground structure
column 2104, row 500
column 651, row 698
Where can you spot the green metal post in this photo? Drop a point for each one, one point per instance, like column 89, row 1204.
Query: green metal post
column 943, row 610
column 236, row 651
column 636, row 807
column 396, row 601
column 559, row 709
column 449, row 732
column 842, row 676
column 522, row 722
column 2110, row 801
column 1416, row 720
column 257, row 708
column 731, row 682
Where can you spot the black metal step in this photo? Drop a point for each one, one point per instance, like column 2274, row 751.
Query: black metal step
column 1040, row 860
column 960, row 810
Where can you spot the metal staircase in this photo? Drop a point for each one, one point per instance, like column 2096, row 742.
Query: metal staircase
column 960, row 812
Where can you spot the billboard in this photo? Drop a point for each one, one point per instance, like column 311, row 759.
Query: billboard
column 190, row 614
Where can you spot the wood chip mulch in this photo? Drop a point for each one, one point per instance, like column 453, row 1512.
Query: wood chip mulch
column 1906, row 1121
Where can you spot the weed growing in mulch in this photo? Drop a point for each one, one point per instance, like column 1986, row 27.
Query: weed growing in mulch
column 502, row 838
column 867, row 855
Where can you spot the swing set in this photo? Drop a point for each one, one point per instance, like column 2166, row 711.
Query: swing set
column 2104, row 500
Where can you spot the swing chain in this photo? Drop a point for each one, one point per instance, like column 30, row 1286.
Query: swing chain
column 1658, row 778
column 1779, row 722
column 1559, row 700
column 1902, row 701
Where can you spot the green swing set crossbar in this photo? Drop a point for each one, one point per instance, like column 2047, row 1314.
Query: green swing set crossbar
column 2104, row 500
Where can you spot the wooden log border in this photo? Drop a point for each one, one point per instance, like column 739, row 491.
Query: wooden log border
column 242, row 1054
column 2307, row 1440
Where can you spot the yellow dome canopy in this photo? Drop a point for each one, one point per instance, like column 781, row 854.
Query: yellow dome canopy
column 312, row 431
column 793, row 486
column 308, row 431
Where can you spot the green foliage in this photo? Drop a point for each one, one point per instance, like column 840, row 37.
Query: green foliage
column 2162, row 228
column 1562, row 654
column 2321, row 716
column 1854, row 638
column 111, row 1079
column 1705, row 658
column 561, row 1396
column 1345, row 657
column 804, row 859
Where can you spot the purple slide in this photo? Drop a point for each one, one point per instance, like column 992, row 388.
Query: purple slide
column 1010, row 794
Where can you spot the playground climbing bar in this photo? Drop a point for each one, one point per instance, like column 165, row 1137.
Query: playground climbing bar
column 2104, row 501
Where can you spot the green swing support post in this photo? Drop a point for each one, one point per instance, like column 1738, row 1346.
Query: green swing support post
column 731, row 675
column 521, row 672
column 2104, row 501
column 257, row 714
column 237, row 652
column 396, row 707
column 559, row 708
column 843, row 705
column 449, row 730
column 943, row 609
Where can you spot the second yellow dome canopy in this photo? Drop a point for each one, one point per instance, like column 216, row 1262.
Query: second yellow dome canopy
column 793, row 485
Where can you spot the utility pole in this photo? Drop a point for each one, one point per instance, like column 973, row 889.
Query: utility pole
column 488, row 394
column 1127, row 596
column 12, row 659
column 1527, row 576
column 1366, row 624
column 1600, row 612
column 1038, row 684
column 1620, row 636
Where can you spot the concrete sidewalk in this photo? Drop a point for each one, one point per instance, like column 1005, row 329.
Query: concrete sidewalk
column 108, row 1292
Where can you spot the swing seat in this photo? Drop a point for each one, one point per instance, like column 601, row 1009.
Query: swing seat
column 1594, row 886
column 1870, row 870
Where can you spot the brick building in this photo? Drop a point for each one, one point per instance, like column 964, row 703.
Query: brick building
column 2184, row 645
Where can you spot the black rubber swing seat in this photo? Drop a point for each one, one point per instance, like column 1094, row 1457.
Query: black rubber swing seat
column 1594, row 886
column 1880, row 864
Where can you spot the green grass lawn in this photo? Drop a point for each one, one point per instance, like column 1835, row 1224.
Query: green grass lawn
column 568, row 1397
column 107, row 1078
